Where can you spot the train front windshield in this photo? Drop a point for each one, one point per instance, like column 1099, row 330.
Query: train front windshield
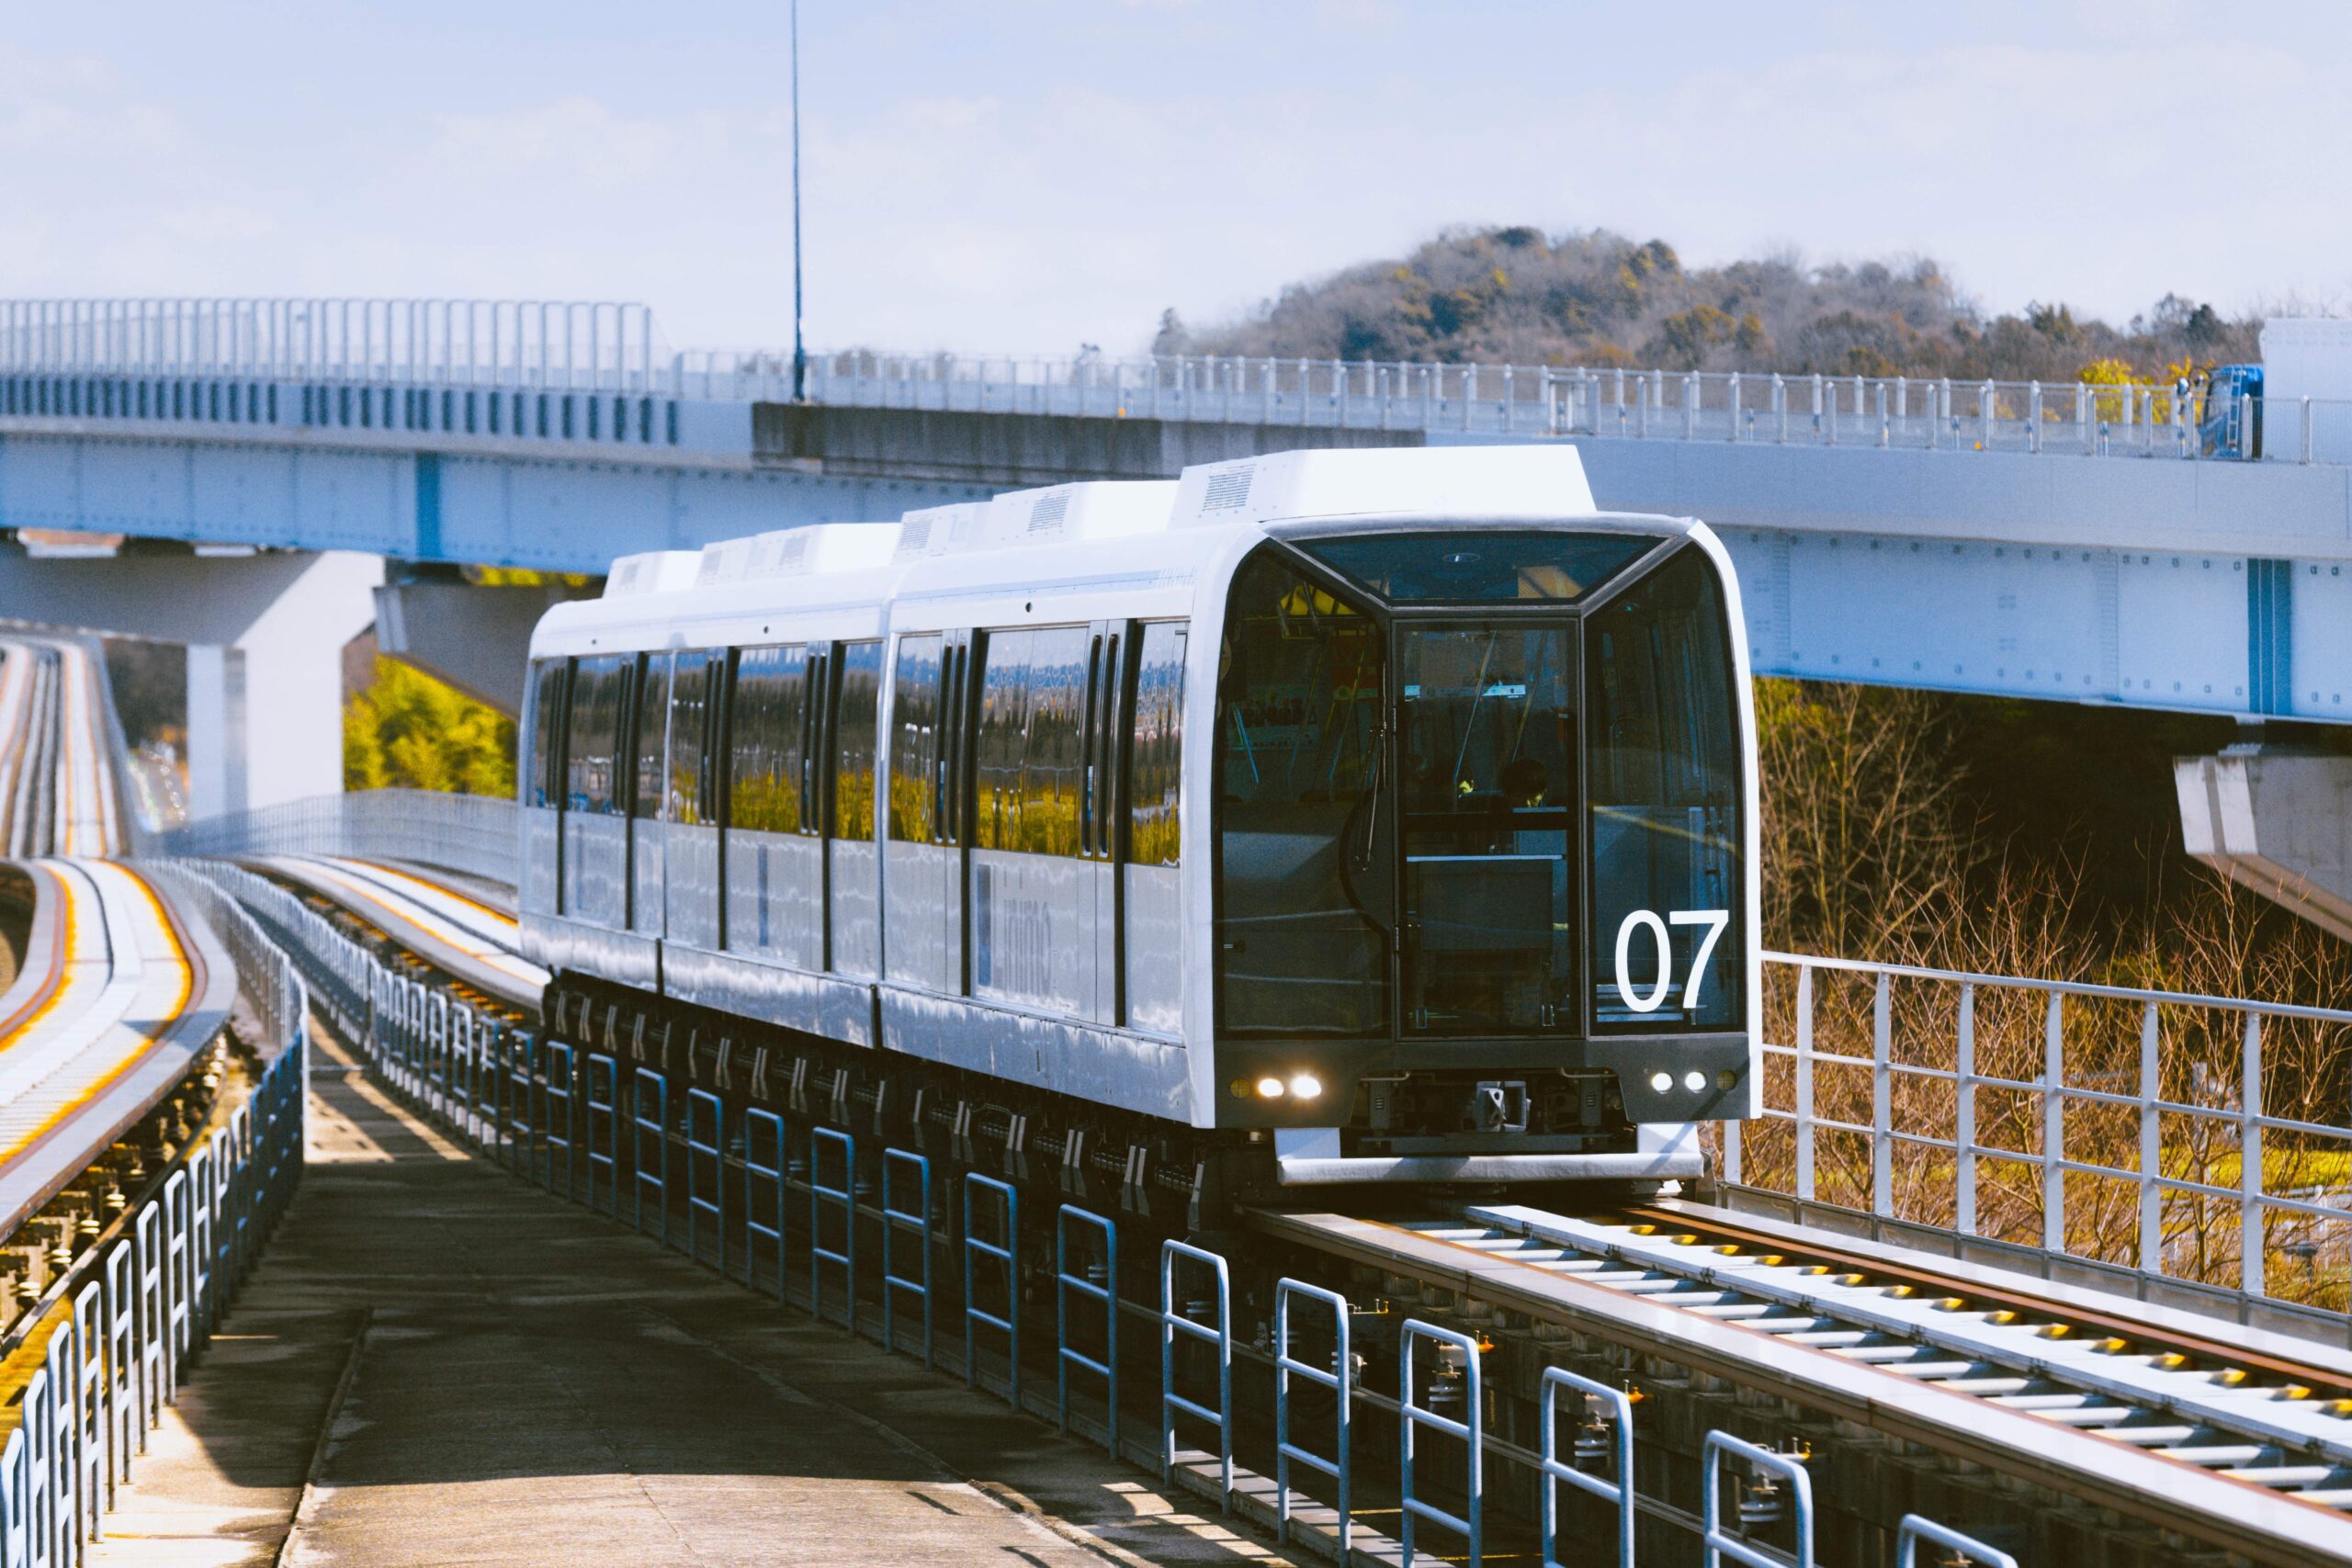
column 1478, row 786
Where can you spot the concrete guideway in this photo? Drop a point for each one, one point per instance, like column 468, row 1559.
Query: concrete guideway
column 119, row 998
column 451, row 930
column 505, row 1378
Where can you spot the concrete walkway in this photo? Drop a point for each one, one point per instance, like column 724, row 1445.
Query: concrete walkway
column 524, row 1383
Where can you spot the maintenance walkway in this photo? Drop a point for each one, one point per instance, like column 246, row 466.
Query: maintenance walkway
column 467, row 1369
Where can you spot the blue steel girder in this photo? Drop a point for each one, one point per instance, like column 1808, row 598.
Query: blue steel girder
column 488, row 508
column 2223, row 633
column 2214, row 587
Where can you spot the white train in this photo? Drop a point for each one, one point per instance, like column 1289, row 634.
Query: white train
column 1323, row 816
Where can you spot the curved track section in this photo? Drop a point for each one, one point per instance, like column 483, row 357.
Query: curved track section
column 59, row 793
column 117, row 998
column 449, row 929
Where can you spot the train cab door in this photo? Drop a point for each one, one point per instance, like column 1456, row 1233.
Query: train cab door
column 1487, row 756
column 1099, row 808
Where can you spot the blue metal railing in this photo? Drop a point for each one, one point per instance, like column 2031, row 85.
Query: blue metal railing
column 555, row 1108
column 603, row 1083
column 1619, row 1441
column 1412, row 1415
column 1339, row 1378
column 1006, row 1255
column 705, row 1150
column 756, row 1173
column 521, row 1100
column 819, row 1194
column 657, row 1128
column 1107, row 1294
column 917, row 1220
column 1785, row 1468
column 1174, row 1324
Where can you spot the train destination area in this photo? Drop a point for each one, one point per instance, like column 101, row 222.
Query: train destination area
column 1553, row 899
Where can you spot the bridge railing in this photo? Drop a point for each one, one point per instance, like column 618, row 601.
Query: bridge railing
column 2137, row 420
column 2150, row 1137
column 598, row 345
column 473, row 834
column 286, row 361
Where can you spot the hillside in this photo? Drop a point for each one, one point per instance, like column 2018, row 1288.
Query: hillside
column 1599, row 299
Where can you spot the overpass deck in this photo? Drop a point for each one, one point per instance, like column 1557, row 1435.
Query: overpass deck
column 2074, row 543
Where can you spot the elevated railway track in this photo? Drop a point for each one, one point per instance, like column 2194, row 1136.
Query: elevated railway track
column 2044, row 1421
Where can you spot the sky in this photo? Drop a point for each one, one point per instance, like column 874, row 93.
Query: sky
column 1030, row 176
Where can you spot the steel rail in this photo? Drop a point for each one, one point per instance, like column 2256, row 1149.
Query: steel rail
column 2234, row 1515
column 1975, row 1290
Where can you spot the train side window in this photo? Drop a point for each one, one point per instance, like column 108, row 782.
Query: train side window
column 693, row 728
column 858, row 696
column 914, row 741
column 544, row 784
column 1155, row 756
column 1664, row 804
column 1032, row 740
column 599, row 699
column 650, row 735
column 767, row 726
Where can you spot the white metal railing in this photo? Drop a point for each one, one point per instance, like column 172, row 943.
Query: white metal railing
column 475, row 834
column 2121, row 1126
column 618, row 347
column 569, row 344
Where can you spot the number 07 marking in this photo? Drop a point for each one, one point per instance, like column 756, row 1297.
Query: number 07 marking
column 1650, row 1002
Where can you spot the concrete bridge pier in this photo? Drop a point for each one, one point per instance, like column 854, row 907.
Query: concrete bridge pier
column 265, row 636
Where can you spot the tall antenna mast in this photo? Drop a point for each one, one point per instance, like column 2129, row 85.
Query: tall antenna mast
column 799, row 350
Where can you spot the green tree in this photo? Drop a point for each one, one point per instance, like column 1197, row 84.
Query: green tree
column 409, row 731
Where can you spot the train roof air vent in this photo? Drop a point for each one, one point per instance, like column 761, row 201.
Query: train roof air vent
column 1228, row 490
column 1539, row 481
column 653, row 572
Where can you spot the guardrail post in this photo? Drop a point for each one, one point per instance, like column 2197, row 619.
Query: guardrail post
column 2053, row 1125
column 1107, row 1293
column 1915, row 1529
column 917, row 1220
column 61, row 1415
column 702, row 1107
column 1008, row 1254
column 2251, row 1276
column 1803, row 1108
column 554, row 1109
column 2151, row 1212
column 821, row 1139
column 657, row 1125
column 177, row 1278
column 1340, row 1380
column 92, row 1435
column 37, row 1489
column 604, row 1110
column 1172, row 1323
column 1412, row 1415
column 1788, row 1469
column 1963, row 1135
column 757, row 1125
column 1882, row 1100
column 1619, row 1420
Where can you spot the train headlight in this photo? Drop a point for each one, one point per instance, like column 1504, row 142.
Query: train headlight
column 1694, row 1081
column 1306, row 1085
column 1269, row 1089
column 1662, row 1082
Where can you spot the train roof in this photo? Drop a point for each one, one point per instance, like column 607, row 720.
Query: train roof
column 1093, row 531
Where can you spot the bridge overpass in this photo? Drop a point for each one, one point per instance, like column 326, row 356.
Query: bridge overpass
column 2019, row 540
